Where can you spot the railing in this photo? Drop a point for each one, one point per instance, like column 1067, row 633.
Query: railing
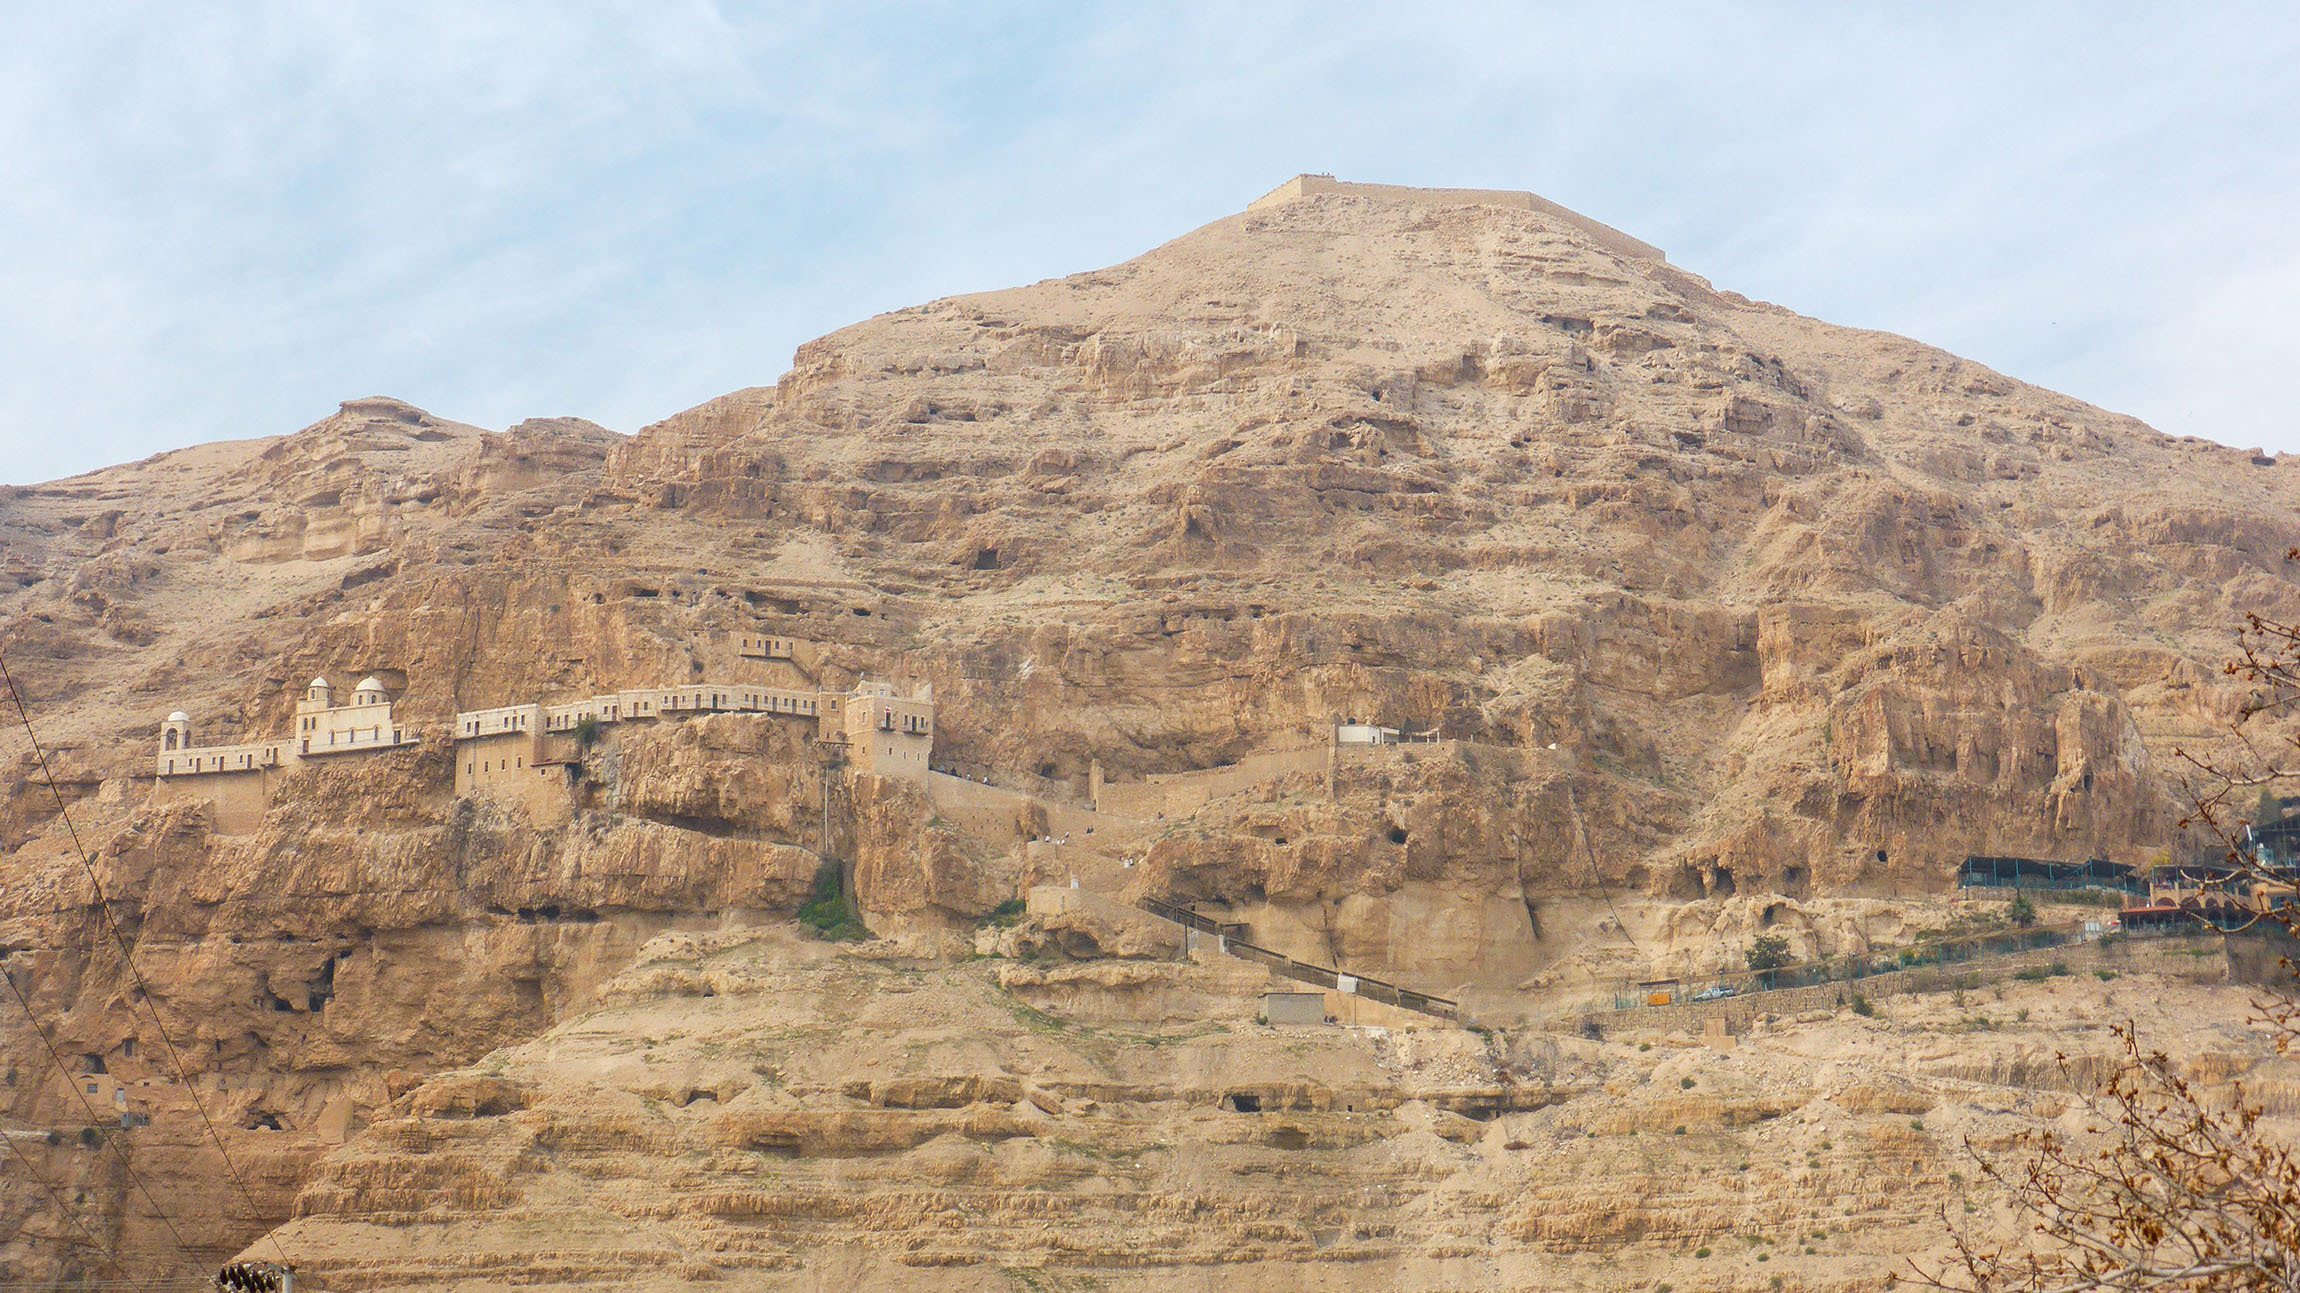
column 1181, row 916
column 1850, row 969
column 2060, row 884
column 1302, row 971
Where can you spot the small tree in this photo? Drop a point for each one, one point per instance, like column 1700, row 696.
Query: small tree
column 1767, row 953
column 2021, row 912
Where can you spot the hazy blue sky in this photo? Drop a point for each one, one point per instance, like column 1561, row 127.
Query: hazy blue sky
column 218, row 221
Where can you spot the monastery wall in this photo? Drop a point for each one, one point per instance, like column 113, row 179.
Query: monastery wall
column 221, row 758
column 998, row 816
column 483, row 761
column 1604, row 235
column 516, row 768
column 237, row 800
column 799, row 653
column 989, row 816
column 237, row 779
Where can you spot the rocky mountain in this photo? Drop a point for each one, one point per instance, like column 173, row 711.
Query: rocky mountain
column 1722, row 617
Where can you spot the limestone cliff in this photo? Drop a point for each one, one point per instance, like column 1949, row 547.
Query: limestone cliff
column 1704, row 599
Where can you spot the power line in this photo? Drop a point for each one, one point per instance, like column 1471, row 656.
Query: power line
column 171, row 1282
column 94, row 1119
column 64, row 1210
column 127, row 960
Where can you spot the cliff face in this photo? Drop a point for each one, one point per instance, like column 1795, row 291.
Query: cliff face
column 1707, row 600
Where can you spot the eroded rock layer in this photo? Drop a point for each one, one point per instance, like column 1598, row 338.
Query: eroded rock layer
column 1707, row 602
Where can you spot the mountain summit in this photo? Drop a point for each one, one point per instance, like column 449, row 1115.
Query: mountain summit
column 1714, row 619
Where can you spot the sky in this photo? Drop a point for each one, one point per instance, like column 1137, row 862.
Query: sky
column 220, row 221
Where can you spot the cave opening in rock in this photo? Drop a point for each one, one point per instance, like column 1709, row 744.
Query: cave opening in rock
column 986, row 559
column 1397, row 834
column 1240, row 1102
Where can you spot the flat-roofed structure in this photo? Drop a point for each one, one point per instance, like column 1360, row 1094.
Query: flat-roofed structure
column 1604, row 235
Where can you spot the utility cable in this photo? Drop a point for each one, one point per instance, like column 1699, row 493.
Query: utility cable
column 127, row 960
column 95, row 1119
column 64, row 1210
column 1604, row 891
column 79, row 1284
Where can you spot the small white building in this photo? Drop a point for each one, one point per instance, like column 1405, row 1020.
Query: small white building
column 1364, row 734
column 325, row 727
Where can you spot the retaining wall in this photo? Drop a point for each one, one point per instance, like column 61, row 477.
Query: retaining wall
column 2174, row 955
column 1604, row 235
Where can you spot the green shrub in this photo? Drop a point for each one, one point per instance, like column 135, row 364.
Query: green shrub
column 1006, row 913
column 1685, row 1084
column 828, row 913
column 1862, row 1007
column 1700, row 1253
column 2021, row 912
column 1767, row 952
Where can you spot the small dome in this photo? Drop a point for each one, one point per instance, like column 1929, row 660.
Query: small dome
column 320, row 684
column 179, row 717
column 369, row 683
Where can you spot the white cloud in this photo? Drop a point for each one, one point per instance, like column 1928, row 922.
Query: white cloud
column 219, row 222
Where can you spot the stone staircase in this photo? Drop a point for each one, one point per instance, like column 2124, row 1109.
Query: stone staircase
column 1227, row 939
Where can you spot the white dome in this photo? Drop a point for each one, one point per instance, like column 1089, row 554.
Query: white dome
column 369, row 683
column 179, row 717
column 321, row 684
